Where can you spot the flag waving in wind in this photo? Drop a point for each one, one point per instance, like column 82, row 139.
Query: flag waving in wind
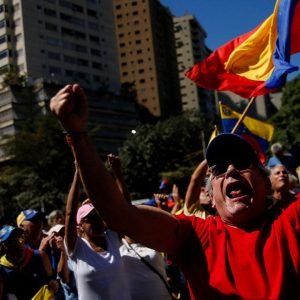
column 257, row 62
column 256, row 132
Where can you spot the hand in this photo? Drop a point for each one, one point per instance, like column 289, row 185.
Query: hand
column 160, row 198
column 114, row 163
column 60, row 243
column 45, row 242
column 69, row 106
column 175, row 194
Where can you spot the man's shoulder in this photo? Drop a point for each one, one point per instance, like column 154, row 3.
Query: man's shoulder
column 197, row 223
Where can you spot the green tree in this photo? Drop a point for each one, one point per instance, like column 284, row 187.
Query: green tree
column 40, row 169
column 168, row 146
column 286, row 120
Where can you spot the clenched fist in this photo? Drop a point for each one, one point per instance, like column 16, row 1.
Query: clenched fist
column 69, row 106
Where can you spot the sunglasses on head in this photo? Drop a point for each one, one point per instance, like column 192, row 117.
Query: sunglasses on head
column 220, row 169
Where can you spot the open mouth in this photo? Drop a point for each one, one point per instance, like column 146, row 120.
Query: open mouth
column 238, row 191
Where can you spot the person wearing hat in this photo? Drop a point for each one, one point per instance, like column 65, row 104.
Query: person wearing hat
column 247, row 251
column 22, row 267
column 94, row 255
column 281, row 157
column 31, row 221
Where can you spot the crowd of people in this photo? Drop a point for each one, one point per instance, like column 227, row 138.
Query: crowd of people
column 233, row 234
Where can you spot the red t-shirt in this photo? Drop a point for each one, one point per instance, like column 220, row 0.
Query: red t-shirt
column 225, row 262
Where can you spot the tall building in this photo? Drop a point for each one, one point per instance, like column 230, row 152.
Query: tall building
column 113, row 116
column 55, row 42
column 66, row 40
column 191, row 48
column 147, row 54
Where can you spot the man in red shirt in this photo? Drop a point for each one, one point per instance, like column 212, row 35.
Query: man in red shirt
column 246, row 252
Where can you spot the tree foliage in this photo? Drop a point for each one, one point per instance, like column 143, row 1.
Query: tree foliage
column 287, row 119
column 40, row 169
column 166, row 146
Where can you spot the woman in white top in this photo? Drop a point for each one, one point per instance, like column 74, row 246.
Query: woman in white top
column 146, row 273
column 93, row 255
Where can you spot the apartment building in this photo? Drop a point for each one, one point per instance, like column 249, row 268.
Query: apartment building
column 62, row 40
column 147, row 54
column 190, row 47
column 55, row 42
column 114, row 116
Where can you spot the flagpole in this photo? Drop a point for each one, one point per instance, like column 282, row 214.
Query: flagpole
column 240, row 120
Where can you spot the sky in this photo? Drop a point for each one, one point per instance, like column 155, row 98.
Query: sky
column 224, row 20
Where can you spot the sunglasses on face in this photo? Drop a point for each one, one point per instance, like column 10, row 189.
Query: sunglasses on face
column 219, row 170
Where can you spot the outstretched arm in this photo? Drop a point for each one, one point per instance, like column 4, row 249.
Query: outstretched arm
column 69, row 105
column 115, row 164
column 194, row 188
column 71, row 210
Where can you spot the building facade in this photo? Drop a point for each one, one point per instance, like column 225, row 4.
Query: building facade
column 63, row 40
column 147, row 54
column 191, row 48
column 113, row 117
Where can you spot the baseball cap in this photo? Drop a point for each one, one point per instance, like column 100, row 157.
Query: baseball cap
column 6, row 231
column 55, row 229
column 83, row 211
column 228, row 147
column 28, row 214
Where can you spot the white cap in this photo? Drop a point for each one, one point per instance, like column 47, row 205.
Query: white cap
column 55, row 229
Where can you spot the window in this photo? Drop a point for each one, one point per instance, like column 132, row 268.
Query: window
column 52, row 41
column 97, row 78
column 82, row 62
column 53, row 55
column 54, row 70
column 92, row 13
column 96, row 52
column 94, row 39
column 97, row 66
column 4, row 38
column 92, row 25
column 50, row 27
column 70, row 59
column 49, row 12
column 69, row 72
column 3, row 54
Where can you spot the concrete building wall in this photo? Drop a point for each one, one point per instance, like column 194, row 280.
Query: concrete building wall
column 147, row 55
column 191, row 48
column 63, row 40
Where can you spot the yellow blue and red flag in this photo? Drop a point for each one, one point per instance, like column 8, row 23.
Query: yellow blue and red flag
column 256, row 132
column 257, row 62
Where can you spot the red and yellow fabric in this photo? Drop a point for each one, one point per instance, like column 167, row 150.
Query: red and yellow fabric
column 257, row 62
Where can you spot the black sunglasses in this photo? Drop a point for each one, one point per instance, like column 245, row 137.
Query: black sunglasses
column 219, row 170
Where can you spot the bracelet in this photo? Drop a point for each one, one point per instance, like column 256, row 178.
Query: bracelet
column 72, row 137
